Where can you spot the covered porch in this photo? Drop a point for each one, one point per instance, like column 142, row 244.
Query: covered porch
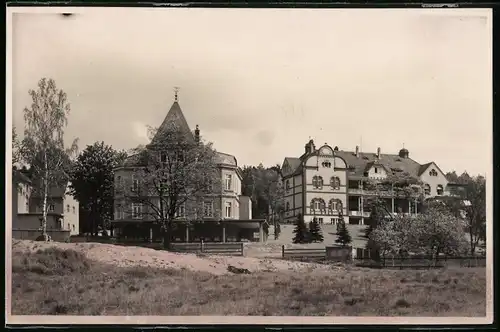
column 208, row 231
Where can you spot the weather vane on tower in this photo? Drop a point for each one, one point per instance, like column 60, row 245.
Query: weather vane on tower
column 176, row 91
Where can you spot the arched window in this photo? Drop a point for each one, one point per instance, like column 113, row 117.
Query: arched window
column 427, row 189
column 335, row 204
column 317, row 182
column 335, row 182
column 433, row 173
column 439, row 190
column 287, row 184
column 317, row 204
column 287, row 206
column 326, row 164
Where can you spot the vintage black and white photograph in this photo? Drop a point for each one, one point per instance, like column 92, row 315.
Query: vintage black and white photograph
column 249, row 165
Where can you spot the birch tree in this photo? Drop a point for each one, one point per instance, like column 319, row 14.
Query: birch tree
column 43, row 142
column 173, row 179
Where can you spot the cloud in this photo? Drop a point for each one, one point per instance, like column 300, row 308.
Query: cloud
column 141, row 131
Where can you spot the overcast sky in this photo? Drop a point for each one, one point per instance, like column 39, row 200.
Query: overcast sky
column 259, row 83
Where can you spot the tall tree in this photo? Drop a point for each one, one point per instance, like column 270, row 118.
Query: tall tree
column 315, row 233
column 343, row 236
column 92, row 184
column 174, row 177
column 43, row 143
column 300, row 231
column 441, row 231
column 16, row 147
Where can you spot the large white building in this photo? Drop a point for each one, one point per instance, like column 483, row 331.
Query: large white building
column 325, row 181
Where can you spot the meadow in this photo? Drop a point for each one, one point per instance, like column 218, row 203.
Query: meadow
column 62, row 280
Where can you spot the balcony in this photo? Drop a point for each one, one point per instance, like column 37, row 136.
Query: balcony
column 382, row 193
column 363, row 214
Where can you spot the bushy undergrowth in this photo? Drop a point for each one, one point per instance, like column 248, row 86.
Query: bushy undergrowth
column 56, row 281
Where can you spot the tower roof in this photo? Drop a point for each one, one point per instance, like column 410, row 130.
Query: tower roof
column 174, row 117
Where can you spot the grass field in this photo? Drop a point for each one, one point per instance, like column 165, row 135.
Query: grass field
column 64, row 281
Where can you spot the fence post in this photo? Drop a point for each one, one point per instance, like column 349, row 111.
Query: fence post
column 283, row 251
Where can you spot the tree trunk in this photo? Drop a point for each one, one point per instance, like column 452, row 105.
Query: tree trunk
column 167, row 235
column 45, row 197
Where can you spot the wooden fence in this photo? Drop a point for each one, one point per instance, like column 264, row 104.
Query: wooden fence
column 211, row 248
column 423, row 262
column 303, row 253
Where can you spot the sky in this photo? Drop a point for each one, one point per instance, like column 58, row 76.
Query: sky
column 261, row 82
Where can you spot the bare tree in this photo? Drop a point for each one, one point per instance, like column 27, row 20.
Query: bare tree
column 174, row 177
column 43, row 143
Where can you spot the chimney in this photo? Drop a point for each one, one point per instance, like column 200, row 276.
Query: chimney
column 378, row 153
column 197, row 134
column 310, row 147
column 357, row 151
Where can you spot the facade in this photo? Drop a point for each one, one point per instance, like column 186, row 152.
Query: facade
column 60, row 203
column 228, row 207
column 27, row 211
column 326, row 182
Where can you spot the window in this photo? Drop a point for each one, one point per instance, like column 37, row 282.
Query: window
column 180, row 156
column 287, row 184
column 439, row 190
column 335, row 204
column 118, row 210
column 67, row 208
column 333, row 221
column 228, row 209
column 320, row 220
column 135, row 184
column 317, row 182
column 287, row 206
column 317, row 204
column 73, row 228
column 136, row 211
column 51, row 207
column 163, row 157
column 375, row 169
column 228, row 181
column 208, row 209
column 181, row 211
column 335, row 182
column 427, row 189
column 74, row 210
column 433, row 173
column 326, row 164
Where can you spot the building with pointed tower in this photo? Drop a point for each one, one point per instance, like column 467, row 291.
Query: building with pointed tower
column 325, row 183
column 226, row 215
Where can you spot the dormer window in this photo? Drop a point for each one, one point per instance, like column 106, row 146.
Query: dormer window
column 375, row 169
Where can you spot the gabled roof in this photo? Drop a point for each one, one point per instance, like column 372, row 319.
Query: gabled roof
column 294, row 163
column 226, row 159
column 392, row 162
column 423, row 168
column 370, row 164
column 173, row 117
